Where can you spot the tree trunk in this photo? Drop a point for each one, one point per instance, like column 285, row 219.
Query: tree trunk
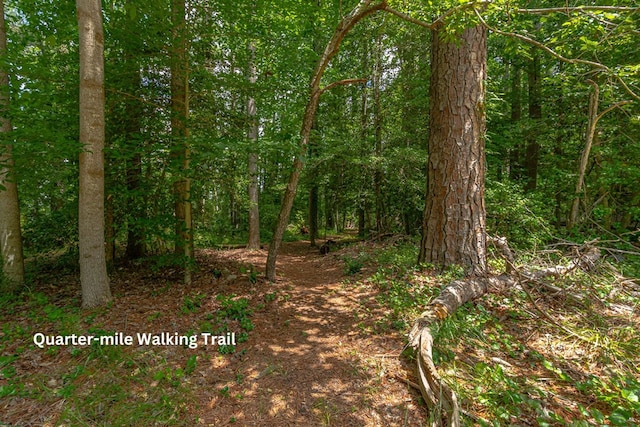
column 252, row 136
column 377, row 131
column 364, row 129
column 132, row 132
column 109, row 232
column 515, row 167
column 181, row 151
column 584, row 158
column 313, row 214
column 10, row 232
column 363, row 9
column 93, row 268
column 535, row 113
column 453, row 229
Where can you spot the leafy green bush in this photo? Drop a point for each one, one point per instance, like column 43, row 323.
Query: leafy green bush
column 521, row 218
column 55, row 230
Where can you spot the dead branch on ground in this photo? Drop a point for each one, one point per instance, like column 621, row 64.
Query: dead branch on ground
column 439, row 397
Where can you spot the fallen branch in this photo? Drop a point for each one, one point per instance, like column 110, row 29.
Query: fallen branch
column 439, row 397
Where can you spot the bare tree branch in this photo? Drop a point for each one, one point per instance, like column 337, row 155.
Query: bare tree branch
column 549, row 10
column 556, row 55
column 341, row 83
column 408, row 18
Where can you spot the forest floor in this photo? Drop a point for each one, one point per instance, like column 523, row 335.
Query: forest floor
column 322, row 346
column 307, row 359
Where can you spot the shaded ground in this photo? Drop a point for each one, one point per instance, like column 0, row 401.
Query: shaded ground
column 320, row 347
column 309, row 360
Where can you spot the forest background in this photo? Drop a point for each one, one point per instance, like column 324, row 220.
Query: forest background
column 204, row 102
column 365, row 168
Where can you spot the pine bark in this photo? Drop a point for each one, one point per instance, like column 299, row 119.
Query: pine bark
column 10, row 231
column 453, row 229
column 93, row 270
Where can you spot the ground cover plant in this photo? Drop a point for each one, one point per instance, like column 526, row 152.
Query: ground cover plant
column 524, row 356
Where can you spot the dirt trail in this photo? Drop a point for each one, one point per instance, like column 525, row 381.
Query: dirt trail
column 312, row 359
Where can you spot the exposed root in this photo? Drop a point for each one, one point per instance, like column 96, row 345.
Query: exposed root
column 439, row 397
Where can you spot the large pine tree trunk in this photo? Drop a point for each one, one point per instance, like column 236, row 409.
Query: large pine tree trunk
column 453, row 229
column 10, row 233
column 93, row 268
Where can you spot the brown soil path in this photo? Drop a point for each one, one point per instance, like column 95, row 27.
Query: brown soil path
column 313, row 358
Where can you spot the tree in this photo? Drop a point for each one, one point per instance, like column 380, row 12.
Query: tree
column 534, row 80
column 93, row 268
column 252, row 136
column 362, row 10
column 453, row 229
column 10, row 232
column 180, row 130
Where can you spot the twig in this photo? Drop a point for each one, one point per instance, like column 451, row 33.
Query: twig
column 340, row 83
column 556, row 55
column 462, row 411
column 548, row 10
column 408, row 18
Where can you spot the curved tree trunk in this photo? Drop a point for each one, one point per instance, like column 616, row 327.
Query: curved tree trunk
column 93, row 268
column 363, row 9
column 453, row 228
column 10, row 232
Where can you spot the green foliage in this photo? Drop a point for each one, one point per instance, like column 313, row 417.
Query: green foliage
column 191, row 303
column 353, row 265
column 236, row 309
column 522, row 219
column 619, row 393
column 51, row 231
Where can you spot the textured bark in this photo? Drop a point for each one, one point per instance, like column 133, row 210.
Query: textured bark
column 453, row 229
column 363, row 9
column 10, row 232
column 252, row 136
column 180, row 132
column 93, row 269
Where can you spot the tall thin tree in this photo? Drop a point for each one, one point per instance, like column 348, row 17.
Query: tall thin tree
column 179, row 127
column 93, row 268
column 10, row 235
column 252, row 136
